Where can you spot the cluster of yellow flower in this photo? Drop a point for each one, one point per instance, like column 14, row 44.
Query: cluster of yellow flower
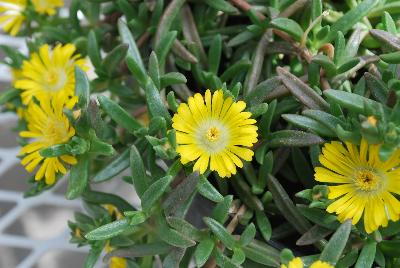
column 212, row 131
column 298, row 263
column 47, row 84
column 12, row 12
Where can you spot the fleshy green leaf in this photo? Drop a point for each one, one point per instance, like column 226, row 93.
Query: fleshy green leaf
column 93, row 50
column 128, row 39
column 207, row 190
column 154, row 192
column 220, row 232
column 309, row 124
column 113, row 59
column 118, row 114
column 289, row 26
column 367, row 256
column 82, row 87
column 248, row 234
column 221, row 5
column 118, row 165
column 164, row 47
column 293, row 138
column 203, row 251
column 78, row 177
column 286, row 206
column 214, row 54
column 221, row 210
column 302, row 91
column 155, row 103
column 333, row 250
column 138, row 171
column 108, row 230
column 346, row 22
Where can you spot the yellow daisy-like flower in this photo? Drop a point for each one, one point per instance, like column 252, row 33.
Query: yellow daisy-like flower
column 367, row 184
column 47, row 6
column 11, row 15
column 50, row 73
column 214, row 131
column 294, row 263
column 298, row 263
column 115, row 262
column 321, row 264
column 113, row 210
column 48, row 126
column 16, row 74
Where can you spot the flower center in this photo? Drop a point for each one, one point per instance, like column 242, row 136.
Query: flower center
column 367, row 180
column 52, row 78
column 55, row 80
column 213, row 134
column 55, row 132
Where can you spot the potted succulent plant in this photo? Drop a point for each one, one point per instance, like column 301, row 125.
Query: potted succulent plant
column 254, row 133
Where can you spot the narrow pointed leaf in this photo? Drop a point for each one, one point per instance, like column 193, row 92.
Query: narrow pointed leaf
column 155, row 103
column 128, row 39
column 293, row 138
column 220, row 232
column 289, row 26
column 367, row 256
column 118, row 114
column 138, row 171
column 309, row 124
column 116, row 166
column 313, row 235
column 207, row 190
column 221, row 211
column 302, row 91
column 386, row 38
column 154, row 192
column 109, row 230
column 346, row 22
column 203, row 251
column 286, row 206
column 333, row 250
column 78, row 177
column 82, row 87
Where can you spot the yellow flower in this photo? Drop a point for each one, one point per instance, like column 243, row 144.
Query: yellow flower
column 298, row 263
column 116, row 262
column 213, row 131
column 113, row 210
column 50, row 73
column 11, row 15
column 367, row 184
column 47, row 6
column 321, row 264
column 48, row 126
column 294, row 263
column 16, row 74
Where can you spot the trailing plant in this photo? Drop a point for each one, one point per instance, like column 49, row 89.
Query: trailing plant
column 254, row 133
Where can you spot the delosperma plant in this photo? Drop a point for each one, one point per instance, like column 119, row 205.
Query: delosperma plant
column 255, row 133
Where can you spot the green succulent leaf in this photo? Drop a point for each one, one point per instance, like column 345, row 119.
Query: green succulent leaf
column 333, row 250
column 109, row 230
column 289, row 26
column 220, row 232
